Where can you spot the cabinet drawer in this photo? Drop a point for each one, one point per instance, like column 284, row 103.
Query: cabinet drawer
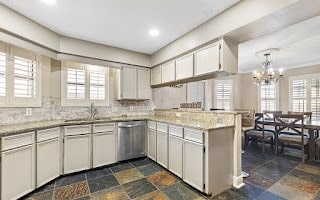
column 193, row 135
column 162, row 127
column 105, row 127
column 176, row 131
column 152, row 125
column 48, row 134
column 77, row 130
column 15, row 141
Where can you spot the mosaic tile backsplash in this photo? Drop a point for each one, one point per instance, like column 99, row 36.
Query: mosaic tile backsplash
column 52, row 110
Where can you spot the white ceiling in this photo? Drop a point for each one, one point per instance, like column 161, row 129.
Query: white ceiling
column 299, row 46
column 122, row 23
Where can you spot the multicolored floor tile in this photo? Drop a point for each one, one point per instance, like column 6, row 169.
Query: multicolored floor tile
column 138, row 188
column 72, row 191
column 114, row 193
column 101, row 183
column 128, row 175
column 162, row 179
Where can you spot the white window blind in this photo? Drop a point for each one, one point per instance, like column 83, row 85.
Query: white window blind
column 97, row 85
column 268, row 97
column 223, row 95
column 315, row 99
column 3, row 66
column 299, row 95
column 25, row 78
column 76, row 83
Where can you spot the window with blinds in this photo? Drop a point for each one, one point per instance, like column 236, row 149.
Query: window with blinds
column 3, row 66
column 315, row 99
column 299, row 95
column 76, row 83
column 223, row 95
column 268, row 97
column 25, row 78
column 97, row 85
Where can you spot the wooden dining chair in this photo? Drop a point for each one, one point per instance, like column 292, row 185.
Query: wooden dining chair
column 258, row 133
column 295, row 135
column 269, row 116
column 307, row 116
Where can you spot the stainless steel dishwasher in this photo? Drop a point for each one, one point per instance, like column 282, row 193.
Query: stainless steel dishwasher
column 131, row 140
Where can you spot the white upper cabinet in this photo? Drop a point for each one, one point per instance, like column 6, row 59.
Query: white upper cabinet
column 133, row 83
column 207, row 60
column 129, row 82
column 156, row 75
column 143, row 76
column 184, row 67
column 168, row 72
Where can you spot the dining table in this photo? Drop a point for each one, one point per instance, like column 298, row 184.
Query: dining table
column 311, row 126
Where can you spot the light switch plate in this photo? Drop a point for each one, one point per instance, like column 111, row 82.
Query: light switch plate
column 28, row 111
column 131, row 108
column 178, row 114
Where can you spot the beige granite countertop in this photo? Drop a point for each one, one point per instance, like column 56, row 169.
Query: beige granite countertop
column 6, row 130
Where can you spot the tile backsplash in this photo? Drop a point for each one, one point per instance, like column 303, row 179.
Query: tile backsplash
column 52, row 110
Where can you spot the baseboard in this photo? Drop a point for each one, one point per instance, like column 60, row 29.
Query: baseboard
column 238, row 182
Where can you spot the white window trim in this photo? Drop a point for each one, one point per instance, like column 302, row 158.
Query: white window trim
column 231, row 92
column 277, row 97
column 10, row 100
column 307, row 77
column 65, row 65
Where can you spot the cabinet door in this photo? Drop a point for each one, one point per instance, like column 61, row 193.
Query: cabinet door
column 168, row 72
column 193, row 164
column 129, row 83
column 143, row 83
column 207, row 59
column 104, row 148
column 175, row 155
column 162, row 149
column 77, row 153
column 184, row 67
column 17, row 172
column 152, row 144
column 156, row 75
column 48, row 161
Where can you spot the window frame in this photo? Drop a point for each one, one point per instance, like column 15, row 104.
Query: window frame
column 308, row 78
column 216, row 82
column 277, row 98
column 10, row 100
column 65, row 65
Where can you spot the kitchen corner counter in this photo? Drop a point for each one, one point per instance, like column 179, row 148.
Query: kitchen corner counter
column 12, row 129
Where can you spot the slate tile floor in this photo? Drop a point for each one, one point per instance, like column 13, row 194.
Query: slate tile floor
column 271, row 178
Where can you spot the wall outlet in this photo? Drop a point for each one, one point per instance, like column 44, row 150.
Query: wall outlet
column 178, row 114
column 28, row 111
column 131, row 108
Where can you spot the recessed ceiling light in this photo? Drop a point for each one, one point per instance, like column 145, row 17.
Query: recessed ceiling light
column 49, row 2
column 154, row 32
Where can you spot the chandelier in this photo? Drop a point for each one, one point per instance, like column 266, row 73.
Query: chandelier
column 267, row 76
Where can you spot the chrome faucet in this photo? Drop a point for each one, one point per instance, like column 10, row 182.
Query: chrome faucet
column 93, row 111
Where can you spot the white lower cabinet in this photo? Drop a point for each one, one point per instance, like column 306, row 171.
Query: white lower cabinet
column 162, row 148
column 48, row 161
column 175, row 155
column 17, row 172
column 152, row 144
column 104, row 148
column 193, row 164
column 77, row 153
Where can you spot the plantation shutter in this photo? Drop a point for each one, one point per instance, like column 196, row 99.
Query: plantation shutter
column 315, row 99
column 299, row 95
column 268, row 97
column 3, row 66
column 76, row 79
column 223, row 92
